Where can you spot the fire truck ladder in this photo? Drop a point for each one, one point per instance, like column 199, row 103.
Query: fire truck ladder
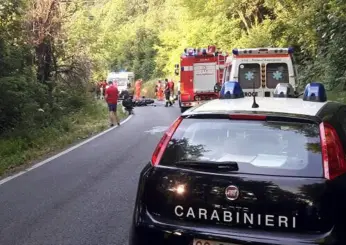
column 221, row 62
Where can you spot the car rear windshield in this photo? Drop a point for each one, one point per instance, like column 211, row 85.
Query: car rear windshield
column 259, row 147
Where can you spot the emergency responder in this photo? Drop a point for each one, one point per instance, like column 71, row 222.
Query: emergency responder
column 168, row 94
column 159, row 91
column 171, row 87
column 138, row 86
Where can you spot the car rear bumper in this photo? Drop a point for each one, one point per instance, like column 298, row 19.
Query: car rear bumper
column 150, row 230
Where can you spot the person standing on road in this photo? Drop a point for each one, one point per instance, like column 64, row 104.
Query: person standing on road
column 167, row 94
column 138, row 86
column 171, row 87
column 111, row 96
column 159, row 91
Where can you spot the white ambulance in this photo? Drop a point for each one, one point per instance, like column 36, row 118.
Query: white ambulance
column 261, row 69
column 124, row 79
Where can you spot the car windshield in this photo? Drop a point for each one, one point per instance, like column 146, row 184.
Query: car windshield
column 273, row 148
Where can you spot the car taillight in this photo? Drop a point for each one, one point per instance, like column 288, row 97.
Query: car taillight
column 161, row 146
column 333, row 155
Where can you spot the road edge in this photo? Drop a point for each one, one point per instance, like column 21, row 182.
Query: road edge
column 39, row 164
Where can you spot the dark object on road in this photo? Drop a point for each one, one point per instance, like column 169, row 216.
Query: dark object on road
column 143, row 102
column 227, row 173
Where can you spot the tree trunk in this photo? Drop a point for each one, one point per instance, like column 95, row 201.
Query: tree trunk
column 44, row 66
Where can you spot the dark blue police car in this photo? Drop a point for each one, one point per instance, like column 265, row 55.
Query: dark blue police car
column 232, row 171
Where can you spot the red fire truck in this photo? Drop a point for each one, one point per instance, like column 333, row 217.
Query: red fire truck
column 201, row 72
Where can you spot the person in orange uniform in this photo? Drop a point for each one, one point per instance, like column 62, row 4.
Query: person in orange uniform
column 157, row 89
column 161, row 89
column 138, row 86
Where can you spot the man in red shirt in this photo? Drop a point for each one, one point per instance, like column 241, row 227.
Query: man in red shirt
column 111, row 96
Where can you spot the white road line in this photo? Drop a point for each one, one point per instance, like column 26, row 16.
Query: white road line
column 3, row 181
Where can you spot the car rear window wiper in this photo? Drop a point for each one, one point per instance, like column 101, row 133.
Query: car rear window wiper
column 205, row 165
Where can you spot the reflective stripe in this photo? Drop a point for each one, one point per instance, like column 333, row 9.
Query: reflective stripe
column 187, row 68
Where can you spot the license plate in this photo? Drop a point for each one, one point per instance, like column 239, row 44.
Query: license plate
column 207, row 242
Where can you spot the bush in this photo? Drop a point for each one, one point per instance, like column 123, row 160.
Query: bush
column 20, row 102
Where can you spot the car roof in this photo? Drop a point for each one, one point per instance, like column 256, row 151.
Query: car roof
column 266, row 104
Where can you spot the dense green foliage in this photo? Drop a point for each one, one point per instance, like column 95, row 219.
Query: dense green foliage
column 148, row 36
column 50, row 50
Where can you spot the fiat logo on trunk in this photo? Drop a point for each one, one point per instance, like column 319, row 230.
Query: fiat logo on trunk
column 232, row 192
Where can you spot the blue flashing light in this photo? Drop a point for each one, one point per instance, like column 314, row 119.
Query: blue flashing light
column 204, row 51
column 235, row 51
column 190, row 52
column 231, row 90
column 315, row 92
column 290, row 50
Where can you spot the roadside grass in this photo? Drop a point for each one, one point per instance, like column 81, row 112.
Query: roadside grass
column 18, row 150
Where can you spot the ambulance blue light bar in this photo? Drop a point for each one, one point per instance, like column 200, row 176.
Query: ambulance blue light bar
column 259, row 51
column 284, row 90
column 231, row 90
column 315, row 92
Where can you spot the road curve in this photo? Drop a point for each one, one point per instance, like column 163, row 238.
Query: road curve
column 87, row 195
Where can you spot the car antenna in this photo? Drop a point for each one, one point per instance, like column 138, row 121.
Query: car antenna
column 254, row 104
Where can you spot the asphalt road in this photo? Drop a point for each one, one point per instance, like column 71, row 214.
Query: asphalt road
column 87, row 195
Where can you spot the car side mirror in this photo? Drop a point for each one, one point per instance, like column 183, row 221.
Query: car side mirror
column 217, row 88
